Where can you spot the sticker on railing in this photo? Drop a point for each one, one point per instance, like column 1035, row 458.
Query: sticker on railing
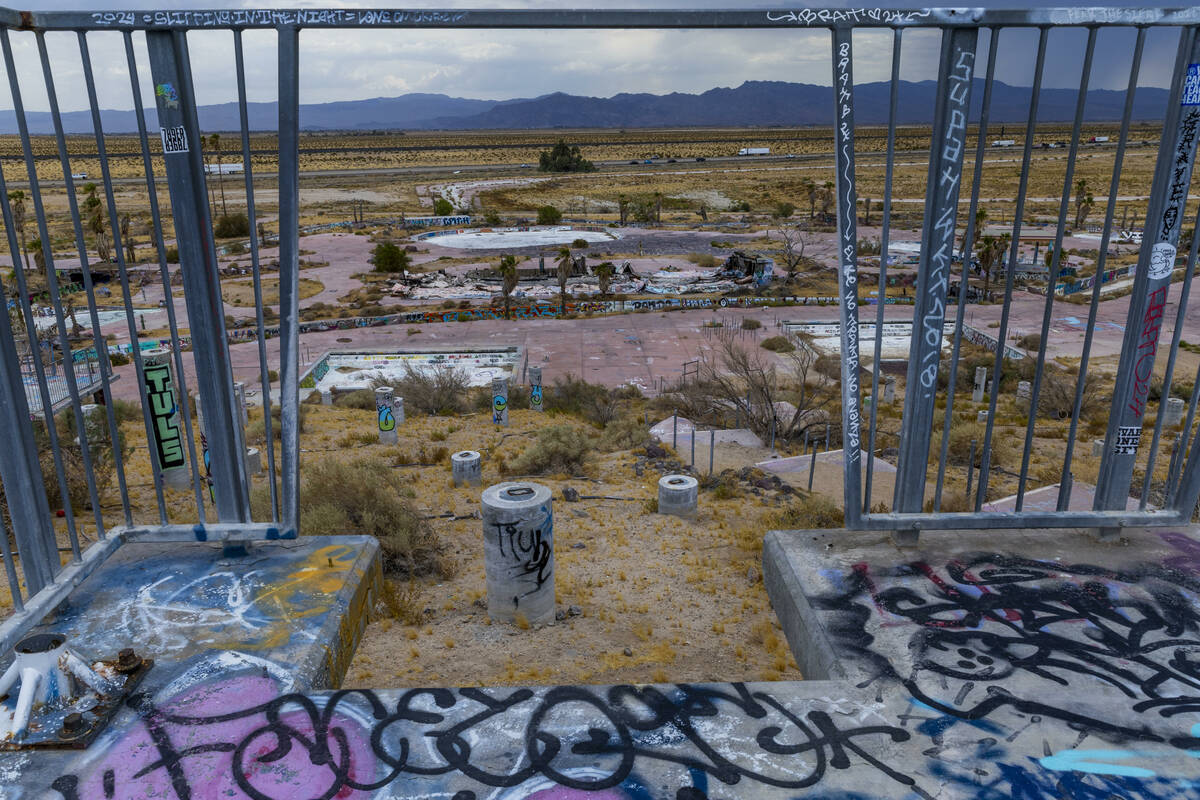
column 1127, row 440
column 1162, row 260
column 1191, row 86
column 174, row 140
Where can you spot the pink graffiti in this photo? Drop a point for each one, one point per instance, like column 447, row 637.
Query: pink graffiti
column 563, row 793
column 187, row 746
column 1189, row 549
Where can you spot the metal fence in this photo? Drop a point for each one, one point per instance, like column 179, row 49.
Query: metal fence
column 54, row 555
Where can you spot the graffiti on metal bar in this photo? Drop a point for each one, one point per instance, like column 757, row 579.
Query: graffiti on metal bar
column 848, row 16
column 848, row 285
column 1147, row 345
column 255, row 17
column 160, row 397
column 949, row 174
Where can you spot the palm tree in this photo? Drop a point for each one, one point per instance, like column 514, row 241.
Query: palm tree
column 39, row 257
column 94, row 208
column 563, row 262
column 605, row 271
column 826, row 198
column 508, row 272
column 623, row 208
column 127, row 238
column 1083, row 202
column 810, row 189
column 17, row 200
column 991, row 254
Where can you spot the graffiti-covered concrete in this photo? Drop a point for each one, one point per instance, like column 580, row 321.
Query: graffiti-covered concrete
column 234, row 726
column 1048, row 667
column 1096, row 643
column 303, row 602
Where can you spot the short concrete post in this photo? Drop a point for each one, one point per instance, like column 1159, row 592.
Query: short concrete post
column 326, row 397
column 678, row 495
column 518, row 552
column 1024, row 394
column 466, row 468
column 239, row 391
column 980, row 381
column 500, row 401
column 1097, row 448
column 1173, row 412
column 93, row 425
column 386, row 415
column 253, row 461
column 398, row 409
column 981, row 416
column 889, row 391
column 159, row 396
column 535, row 389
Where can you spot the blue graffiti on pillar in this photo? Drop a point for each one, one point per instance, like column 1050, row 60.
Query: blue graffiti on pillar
column 499, row 404
column 535, row 396
column 387, row 422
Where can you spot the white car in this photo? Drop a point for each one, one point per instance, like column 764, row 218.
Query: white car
column 79, row 176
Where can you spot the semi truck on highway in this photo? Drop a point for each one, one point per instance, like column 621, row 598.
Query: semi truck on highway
column 1004, row 143
column 754, row 151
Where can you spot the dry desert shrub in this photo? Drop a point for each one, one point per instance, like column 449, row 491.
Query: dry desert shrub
column 558, row 448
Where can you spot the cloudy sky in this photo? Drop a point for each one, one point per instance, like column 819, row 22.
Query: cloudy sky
column 353, row 64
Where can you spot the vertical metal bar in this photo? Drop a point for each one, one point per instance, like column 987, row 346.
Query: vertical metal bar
column 970, row 468
column 98, row 340
column 180, row 130
column 1052, row 277
column 264, row 376
column 843, row 92
column 893, row 94
column 289, row 269
column 812, row 459
column 1169, row 375
column 712, row 442
column 184, row 398
column 131, row 324
column 10, row 570
column 1184, row 437
column 968, row 254
column 19, row 465
column 955, row 74
column 1064, row 499
column 1152, row 281
column 1010, row 272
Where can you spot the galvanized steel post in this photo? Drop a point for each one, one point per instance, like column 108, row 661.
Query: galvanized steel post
column 1152, row 281
column 180, row 132
column 955, row 76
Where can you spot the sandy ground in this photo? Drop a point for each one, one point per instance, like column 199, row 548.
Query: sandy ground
column 684, row 598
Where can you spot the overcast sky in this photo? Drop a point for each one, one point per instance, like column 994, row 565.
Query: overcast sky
column 355, row 64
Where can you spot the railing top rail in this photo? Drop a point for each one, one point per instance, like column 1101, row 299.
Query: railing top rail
column 598, row 18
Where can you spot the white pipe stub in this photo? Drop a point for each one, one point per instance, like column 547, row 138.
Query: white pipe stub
column 51, row 677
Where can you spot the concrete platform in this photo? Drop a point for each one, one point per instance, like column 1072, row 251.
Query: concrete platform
column 1021, row 652
column 303, row 603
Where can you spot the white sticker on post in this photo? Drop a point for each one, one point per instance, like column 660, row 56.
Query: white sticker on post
column 174, row 140
column 1162, row 260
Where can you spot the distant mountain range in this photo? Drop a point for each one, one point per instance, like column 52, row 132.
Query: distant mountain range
column 754, row 103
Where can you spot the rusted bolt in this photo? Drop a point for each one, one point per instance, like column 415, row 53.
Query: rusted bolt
column 127, row 660
column 72, row 724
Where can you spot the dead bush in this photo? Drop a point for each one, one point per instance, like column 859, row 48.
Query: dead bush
column 811, row 512
column 364, row 496
column 623, row 433
column 558, row 448
column 441, row 391
column 360, row 398
column 1004, row 446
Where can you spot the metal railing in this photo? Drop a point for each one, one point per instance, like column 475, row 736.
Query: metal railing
column 211, row 453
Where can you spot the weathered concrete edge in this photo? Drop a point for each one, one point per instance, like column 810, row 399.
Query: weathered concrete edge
column 802, row 628
column 342, row 631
